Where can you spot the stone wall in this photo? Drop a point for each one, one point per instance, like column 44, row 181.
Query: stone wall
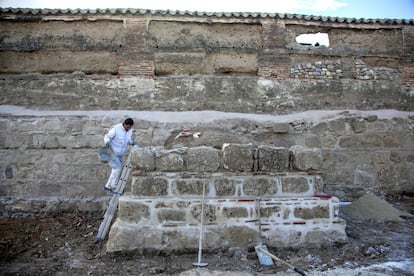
column 141, row 60
column 50, row 161
column 163, row 209
column 72, row 68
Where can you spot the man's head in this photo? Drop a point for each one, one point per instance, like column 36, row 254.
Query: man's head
column 128, row 123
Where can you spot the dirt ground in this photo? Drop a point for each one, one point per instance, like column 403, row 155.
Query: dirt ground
column 65, row 245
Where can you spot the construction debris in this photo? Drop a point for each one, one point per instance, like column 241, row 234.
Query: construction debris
column 370, row 207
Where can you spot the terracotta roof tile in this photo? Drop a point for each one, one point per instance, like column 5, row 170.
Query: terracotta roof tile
column 383, row 21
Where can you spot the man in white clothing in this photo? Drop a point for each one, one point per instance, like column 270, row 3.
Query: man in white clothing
column 118, row 138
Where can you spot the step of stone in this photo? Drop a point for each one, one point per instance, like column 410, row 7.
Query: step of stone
column 226, row 184
column 173, row 223
column 185, row 211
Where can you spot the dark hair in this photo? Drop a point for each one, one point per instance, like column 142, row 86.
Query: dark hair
column 129, row 121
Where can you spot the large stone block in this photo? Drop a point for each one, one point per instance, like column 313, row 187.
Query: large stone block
column 224, row 186
column 364, row 140
column 295, row 185
column 133, row 212
column 235, row 212
column 172, row 223
column 260, row 186
column 338, row 126
column 169, row 215
column 202, row 159
column 210, row 213
column 170, row 162
column 267, row 212
column 237, row 157
column 190, row 186
column 311, row 213
column 149, row 186
column 280, row 128
column 142, row 159
column 320, row 128
column 305, row 159
column 274, row 159
column 358, row 125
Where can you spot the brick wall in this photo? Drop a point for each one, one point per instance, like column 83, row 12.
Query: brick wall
column 136, row 58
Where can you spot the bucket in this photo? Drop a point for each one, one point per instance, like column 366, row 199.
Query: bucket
column 105, row 154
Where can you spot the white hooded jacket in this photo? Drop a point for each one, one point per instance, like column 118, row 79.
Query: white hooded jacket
column 118, row 138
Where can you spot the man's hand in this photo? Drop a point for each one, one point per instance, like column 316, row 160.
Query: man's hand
column 135, row 144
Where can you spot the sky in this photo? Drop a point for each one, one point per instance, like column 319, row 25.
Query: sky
column 392, row 9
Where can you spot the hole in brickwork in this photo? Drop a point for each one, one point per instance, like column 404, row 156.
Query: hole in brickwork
column 318, row 39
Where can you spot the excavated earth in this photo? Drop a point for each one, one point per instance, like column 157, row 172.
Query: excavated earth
column 65, row 244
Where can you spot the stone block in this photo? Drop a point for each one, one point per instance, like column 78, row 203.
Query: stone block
column 361, row 140
column 210, row 213
column 394, row 140
column 190, row 186
column 380, row 157
column 395, row 157
column 169, row 215
column 142, row 159
column 107, row 122
column 371, row 140
column 92, row 127
column 238, row 236
column 348, row 142
column 311, row 213
column 371, row 118
column 358, row 125
column 295, row 185
column 235, row 212
column 224, row 186
column 268, row 212
column 170, row 162
column 313, row 141
column 273, row 159
column 15, row 141
column 338, row 126
column 202, row 159
column 260, row 186
column 305, row 159
column 133, row 212
column 320, row 128
column 280, row 128
column 285, row 237
column 149, row 186
column 72, row 141
column 237, row 157
column 126, row 237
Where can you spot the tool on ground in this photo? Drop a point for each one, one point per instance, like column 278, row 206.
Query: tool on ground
column 200, row 241
column 263, row 258
column 187, row 133
column 264, row 251
column 113, row 203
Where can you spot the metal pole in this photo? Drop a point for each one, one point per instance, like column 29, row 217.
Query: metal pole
column 200, row 241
